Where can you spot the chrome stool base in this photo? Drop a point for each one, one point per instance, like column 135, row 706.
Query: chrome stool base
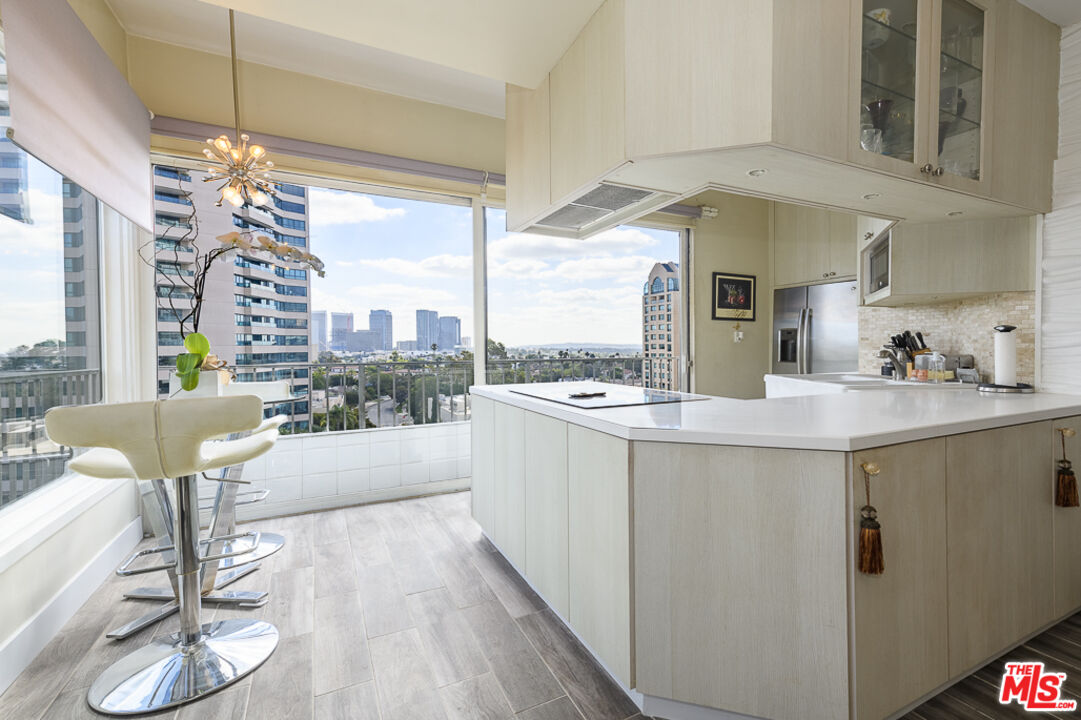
column 164, row 674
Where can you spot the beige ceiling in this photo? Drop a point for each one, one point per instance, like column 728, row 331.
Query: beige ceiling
column 205, row 27
column 1060, row 12
column 516, row 41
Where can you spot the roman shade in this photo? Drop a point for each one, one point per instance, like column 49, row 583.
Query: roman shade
column 73, row 109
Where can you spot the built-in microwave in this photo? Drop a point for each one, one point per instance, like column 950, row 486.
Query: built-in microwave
column 876, row 265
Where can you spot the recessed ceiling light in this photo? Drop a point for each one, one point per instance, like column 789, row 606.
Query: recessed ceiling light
column 872, row 196
column 757, row 172
column 955, row 213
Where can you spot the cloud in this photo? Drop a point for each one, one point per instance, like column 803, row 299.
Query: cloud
column 337, row 207
column 528, row 245
column 435, row 266
column 578, row 315
column 634, row 268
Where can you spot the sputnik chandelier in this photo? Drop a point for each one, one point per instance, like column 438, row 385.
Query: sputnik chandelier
column 241, row 168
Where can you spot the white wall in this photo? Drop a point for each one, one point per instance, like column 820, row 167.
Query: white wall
column 324, row 470
column 1060, row 288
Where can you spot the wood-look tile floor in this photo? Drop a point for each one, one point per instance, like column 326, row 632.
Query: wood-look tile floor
column 398, row 611
column 976, row 697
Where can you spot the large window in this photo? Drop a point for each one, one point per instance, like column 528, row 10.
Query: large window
column 575, row 309
column 49, row 291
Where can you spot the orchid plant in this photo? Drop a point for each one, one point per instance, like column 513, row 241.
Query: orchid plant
column 189, row 310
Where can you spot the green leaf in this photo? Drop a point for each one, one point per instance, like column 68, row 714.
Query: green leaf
column 197, row 344
column 187, row 369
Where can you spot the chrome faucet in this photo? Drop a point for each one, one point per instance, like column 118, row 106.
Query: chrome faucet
column 899, row 368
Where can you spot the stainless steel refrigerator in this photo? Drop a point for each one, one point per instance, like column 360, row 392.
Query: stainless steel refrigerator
column 815, row 329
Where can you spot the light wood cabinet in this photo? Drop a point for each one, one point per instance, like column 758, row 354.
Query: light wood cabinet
column 600, row 546
column 587, row 104
column 528, row 152
column 999, row 509
column 508, row 499
column 673, row 97
column 546, row 509
column 900, row 617
column 929, row 262
column 922, row 87
column 1024, row 115
column 1067, row 526
column 482, row 448
column 812, row 245
column 741, row 563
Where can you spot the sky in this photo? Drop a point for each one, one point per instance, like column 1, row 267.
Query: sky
column 32, row 264
column 404, row 255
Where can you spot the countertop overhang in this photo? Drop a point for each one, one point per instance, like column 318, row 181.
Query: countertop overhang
column 843, row 421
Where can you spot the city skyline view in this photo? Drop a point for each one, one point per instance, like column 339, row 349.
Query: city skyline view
column 406, row 255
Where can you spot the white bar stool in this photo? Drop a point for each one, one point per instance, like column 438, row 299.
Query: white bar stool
column 166, row 439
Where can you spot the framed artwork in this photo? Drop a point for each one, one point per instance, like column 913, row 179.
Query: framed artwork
column 734, row 296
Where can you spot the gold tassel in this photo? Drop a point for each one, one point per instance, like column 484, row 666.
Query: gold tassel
column 1066, row 485
column 870, row 560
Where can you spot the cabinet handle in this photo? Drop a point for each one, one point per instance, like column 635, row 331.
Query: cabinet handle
column 832, row 273
column 825, row 275
column 927, row 169
column 938, row 171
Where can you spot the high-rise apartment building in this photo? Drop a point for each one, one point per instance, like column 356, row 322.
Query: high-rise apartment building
column 427, row 329
column 256, row 310
column 340, row 325
column 382, row 322
column 450, row 332
column 14, row 180
column 319, row 330
column 660, row 327
column 82, row 341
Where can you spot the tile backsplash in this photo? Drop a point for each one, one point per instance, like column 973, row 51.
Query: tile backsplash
column 958, row 327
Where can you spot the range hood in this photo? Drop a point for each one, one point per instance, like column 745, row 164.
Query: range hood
column 605, row 206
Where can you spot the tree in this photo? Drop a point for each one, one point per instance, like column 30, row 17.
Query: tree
column 496, row 349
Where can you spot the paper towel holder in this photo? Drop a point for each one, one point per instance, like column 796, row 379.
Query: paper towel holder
column 1000, row 388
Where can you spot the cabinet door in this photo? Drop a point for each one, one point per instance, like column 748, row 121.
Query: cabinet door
column 801, row 245
column 961, row 69
column 1067, row 524
column 998, row 527
column 482, row 440
column 600, row 546
column 546, row 508
column 528, row 153
column 899, row 617
column 587, row 96
column 508, row 495
column 1026, row 76
column 891, row 77
column 843, row 253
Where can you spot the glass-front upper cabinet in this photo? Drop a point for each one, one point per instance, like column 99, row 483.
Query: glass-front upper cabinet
column 892, row 35
column 921, row 89
column 958, row 150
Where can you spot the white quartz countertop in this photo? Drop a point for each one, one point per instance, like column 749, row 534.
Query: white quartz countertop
column 842, row 421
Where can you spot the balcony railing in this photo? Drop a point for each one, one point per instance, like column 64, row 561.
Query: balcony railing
column 28, row 459
column 328, row 397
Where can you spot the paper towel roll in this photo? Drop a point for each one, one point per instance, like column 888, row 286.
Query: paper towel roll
column 1005, row 356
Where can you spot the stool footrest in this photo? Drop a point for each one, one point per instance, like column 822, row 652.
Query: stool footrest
column 125, row 570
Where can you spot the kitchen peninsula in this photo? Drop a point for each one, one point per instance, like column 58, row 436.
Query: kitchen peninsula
column 704, row 550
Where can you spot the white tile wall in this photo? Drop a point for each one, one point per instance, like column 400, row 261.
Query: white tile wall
column 1060, row 290
column 343, row 463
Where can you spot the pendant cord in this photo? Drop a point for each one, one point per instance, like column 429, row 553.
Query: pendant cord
column 236, row 86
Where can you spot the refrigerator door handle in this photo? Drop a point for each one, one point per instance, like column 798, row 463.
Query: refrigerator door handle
column 803, row 342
